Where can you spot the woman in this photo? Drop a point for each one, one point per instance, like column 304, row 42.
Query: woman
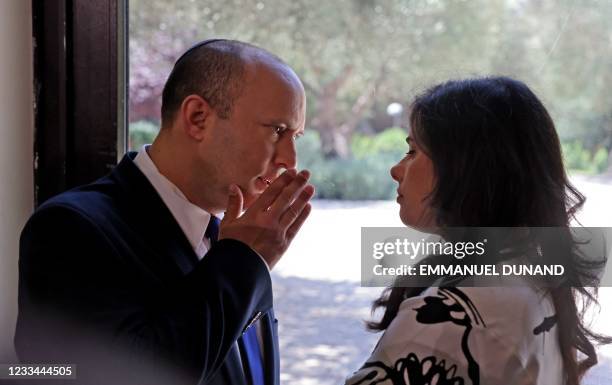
column 484, row 153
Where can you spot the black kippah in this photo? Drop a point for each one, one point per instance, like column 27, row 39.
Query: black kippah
column 195, row 46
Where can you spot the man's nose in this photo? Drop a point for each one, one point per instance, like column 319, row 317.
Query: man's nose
column 286, row 155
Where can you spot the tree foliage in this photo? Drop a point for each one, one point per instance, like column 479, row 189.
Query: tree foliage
column 356, row 56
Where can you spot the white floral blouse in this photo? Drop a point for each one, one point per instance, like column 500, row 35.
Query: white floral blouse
column 468, row 335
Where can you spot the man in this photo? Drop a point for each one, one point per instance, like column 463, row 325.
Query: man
column 125, row 277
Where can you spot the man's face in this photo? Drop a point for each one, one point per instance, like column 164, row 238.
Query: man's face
column 257, row 142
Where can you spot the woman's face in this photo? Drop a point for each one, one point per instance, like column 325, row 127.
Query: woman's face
column 414, row 173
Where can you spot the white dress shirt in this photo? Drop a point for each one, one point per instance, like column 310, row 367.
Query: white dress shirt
column 192, row 219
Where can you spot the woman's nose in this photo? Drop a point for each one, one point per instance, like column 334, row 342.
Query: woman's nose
column 396, row 172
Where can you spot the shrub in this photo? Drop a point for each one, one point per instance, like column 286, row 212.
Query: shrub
column 579, row 158
column 392, row 140
column 600, row 160
column 140, row 133
column 364, row 176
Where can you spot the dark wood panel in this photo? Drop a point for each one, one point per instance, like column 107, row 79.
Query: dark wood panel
column 51, row 101
column 78, row 57
column 95, row 87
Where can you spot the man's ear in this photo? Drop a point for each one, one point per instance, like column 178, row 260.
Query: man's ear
column 196, row 115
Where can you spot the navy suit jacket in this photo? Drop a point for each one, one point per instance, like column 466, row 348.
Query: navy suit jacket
column 109, row 282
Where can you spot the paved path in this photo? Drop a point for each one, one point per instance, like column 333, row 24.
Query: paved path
column 321, row 307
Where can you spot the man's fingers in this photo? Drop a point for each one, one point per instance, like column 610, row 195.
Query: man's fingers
column 234, row 204
column 268, row 197
column 293, row 211
column 289, row 193
column 295, row 227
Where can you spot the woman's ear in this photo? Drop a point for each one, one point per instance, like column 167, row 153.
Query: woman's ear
column 196, row 115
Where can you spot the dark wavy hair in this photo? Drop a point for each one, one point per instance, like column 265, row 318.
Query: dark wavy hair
column 497, row 163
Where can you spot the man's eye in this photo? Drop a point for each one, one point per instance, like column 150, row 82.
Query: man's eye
column 279, row 129
column 298, row 135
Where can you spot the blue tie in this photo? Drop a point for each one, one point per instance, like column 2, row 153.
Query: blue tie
column 212, row 231
column 250, row 344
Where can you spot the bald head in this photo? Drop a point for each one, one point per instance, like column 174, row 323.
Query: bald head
column 216, row 71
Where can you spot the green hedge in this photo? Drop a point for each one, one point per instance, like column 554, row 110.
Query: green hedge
column 579, row 158
column 362, row 177
column 141, row 132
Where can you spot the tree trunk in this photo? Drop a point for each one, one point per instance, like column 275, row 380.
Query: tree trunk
column 335, row 135
column 333, row 143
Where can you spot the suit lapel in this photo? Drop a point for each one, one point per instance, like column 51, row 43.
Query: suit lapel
column 154, row 220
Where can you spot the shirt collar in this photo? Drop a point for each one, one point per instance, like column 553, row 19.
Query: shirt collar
column 192, row 219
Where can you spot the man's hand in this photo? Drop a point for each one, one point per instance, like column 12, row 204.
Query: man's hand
column 273, row 220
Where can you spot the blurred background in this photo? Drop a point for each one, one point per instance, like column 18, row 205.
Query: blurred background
column 362, row 62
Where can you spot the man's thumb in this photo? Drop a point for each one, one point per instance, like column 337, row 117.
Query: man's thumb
column 234, row 203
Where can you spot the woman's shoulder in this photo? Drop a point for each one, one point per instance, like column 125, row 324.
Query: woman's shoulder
column 525, row 303
column 512, row 315
column 492, row 333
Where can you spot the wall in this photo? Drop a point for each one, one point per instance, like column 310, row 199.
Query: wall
column 16, row 154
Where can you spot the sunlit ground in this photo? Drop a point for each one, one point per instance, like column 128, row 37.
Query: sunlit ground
column 321, row 306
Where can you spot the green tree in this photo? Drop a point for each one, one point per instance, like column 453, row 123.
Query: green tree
column 355, row 56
